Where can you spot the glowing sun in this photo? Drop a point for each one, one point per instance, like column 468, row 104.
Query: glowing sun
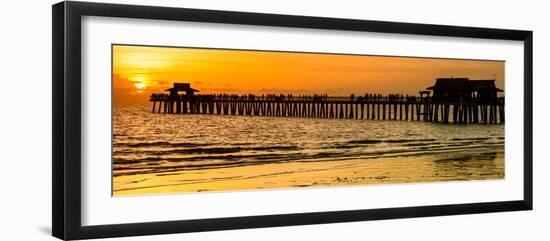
column 140, row 87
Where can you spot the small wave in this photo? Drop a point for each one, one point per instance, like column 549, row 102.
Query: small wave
column 407, row 140
column 471, row 139
column 209, row 150
column 345, row 146
column 374, row 141
column 231, row 157
column 421, row 143
column 364, row 141
column 159, row 143
column 464, row 143
column 225, row 150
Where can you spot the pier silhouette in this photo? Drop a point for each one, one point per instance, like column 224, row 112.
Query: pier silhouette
column 450, row 100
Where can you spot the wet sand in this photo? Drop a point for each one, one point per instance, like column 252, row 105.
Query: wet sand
column 453, row 166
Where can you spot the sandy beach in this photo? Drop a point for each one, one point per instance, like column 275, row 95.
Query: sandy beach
column 410, row 169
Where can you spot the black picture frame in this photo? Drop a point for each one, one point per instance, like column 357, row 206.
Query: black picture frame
column 66, row 128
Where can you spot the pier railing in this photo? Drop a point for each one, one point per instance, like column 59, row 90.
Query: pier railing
column 368, row 106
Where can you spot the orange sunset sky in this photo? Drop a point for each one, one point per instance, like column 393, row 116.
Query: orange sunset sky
column 139, row 71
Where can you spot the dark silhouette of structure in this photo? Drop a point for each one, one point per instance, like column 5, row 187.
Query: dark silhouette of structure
column 185, row 87
column 464, row 89
column 450, row 88
column 174, row 94
column 484, row 89
column 453, row 100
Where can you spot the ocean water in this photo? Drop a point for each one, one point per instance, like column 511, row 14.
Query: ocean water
column 153, row 143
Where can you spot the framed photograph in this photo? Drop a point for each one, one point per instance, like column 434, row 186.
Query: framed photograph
column 170, row 120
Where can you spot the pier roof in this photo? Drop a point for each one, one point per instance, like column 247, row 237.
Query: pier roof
column 182, row 87
column 484, row 85
column 450, row 84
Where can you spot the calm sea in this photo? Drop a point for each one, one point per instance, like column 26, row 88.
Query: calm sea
column 145, row 142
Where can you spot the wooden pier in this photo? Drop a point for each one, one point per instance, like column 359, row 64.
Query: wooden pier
column 369, row 106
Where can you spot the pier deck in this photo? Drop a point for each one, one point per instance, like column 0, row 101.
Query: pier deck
column 369, row 106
